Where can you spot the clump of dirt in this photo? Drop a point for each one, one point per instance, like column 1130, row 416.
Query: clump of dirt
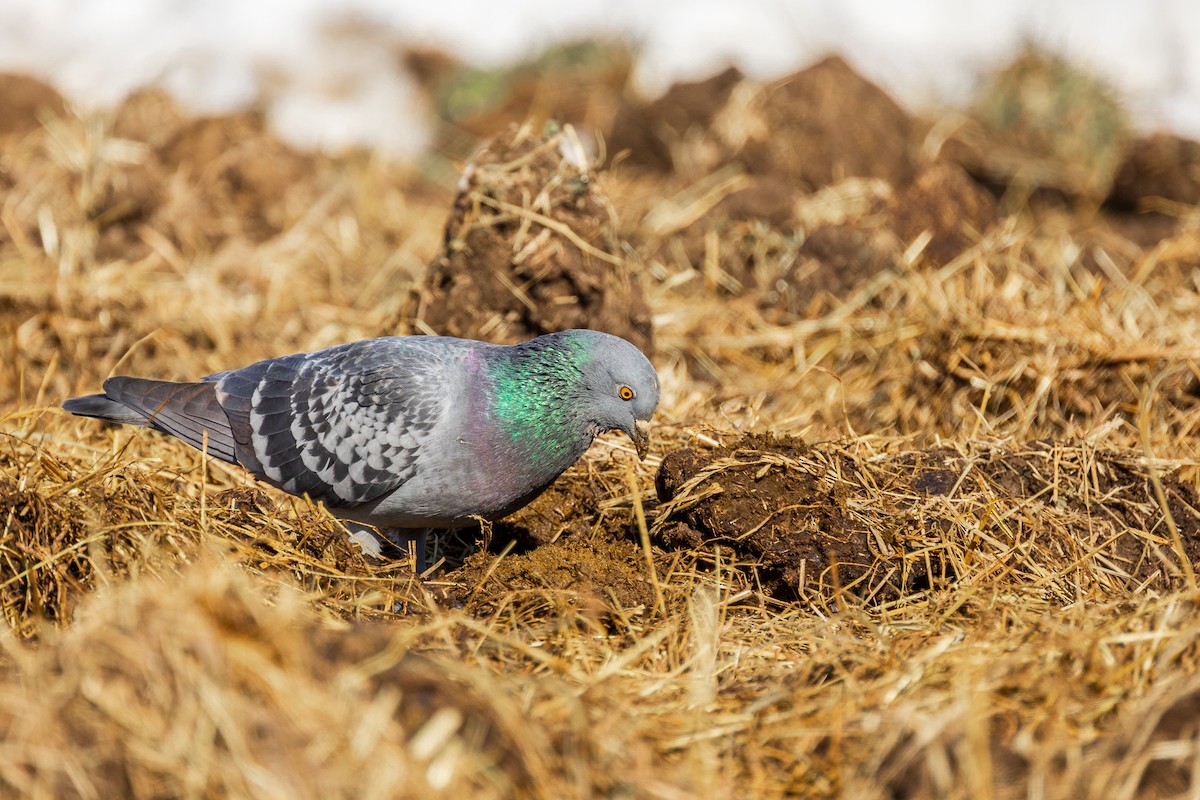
column 804, row 212
column 646, row 135
column 26, row 102
column 833, row 260
column 1119, row 492
column 809, row 129
column 588, row 573
column 1161, row 165
column 530, row 248
column 826, row 123
column 793, row 522
column 943, row 201
column 756, row 154
column 561, row 550
column 147, row 179
column 815, row 522
column 870, row 231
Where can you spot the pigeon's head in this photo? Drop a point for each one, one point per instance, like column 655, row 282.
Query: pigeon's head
column 619, row 387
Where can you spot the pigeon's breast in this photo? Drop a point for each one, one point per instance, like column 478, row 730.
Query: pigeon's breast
column 451, row 490
column 467, row 468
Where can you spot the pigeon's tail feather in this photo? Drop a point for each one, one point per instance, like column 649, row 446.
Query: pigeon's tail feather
column 188, row 411
column 101, row 406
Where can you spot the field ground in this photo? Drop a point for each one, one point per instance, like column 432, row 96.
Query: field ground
column 920, row 517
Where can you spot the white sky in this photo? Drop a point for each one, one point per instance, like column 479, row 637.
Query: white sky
column 215, row 55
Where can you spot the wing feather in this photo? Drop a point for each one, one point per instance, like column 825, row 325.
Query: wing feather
column 346, row 425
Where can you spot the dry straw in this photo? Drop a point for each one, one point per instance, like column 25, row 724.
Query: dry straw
column 177, row 631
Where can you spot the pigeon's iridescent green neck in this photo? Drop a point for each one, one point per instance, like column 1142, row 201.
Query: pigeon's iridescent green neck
column 534, row 391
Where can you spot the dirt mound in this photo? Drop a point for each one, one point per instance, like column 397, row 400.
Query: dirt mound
column 815, row 522
column 148, row 180
column 646, row 134
column 246, row 182
column 794, row 525
column 939, row 214
column 816, row 126
column 792, row 205
column 945, row 203
column 942, row 205
column 826, row 123
column 531, row 248
column 845, row 235
column 1162, row 166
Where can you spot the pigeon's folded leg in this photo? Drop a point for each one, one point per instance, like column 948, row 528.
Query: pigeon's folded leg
column 410, row 541
column 390, row 543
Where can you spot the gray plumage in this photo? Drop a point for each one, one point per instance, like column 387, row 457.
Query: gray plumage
column 405, row 433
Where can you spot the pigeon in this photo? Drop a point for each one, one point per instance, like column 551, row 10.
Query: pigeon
column 406, row 434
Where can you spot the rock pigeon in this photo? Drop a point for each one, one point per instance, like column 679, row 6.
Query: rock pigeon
column 405, row 433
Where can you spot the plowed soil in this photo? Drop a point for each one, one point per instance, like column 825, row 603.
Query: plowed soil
column 919, row 517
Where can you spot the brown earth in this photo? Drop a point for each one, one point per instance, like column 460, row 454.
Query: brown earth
column 957, row 559
column 643, row 134
column 1158, row 166
column 531, row 248
column 814, row 522
column 827, row 123
column 819, row 125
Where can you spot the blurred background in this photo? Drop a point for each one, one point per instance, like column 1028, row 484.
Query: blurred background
column 338, row 73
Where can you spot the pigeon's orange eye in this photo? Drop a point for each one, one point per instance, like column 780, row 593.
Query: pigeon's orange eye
column 625, row 393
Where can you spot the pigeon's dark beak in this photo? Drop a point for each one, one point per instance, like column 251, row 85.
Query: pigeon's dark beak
column 641, row 437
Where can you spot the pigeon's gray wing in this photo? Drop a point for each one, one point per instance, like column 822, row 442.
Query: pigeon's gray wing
column 346, row 425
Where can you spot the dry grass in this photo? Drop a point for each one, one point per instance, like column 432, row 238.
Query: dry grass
column 1019, row 421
